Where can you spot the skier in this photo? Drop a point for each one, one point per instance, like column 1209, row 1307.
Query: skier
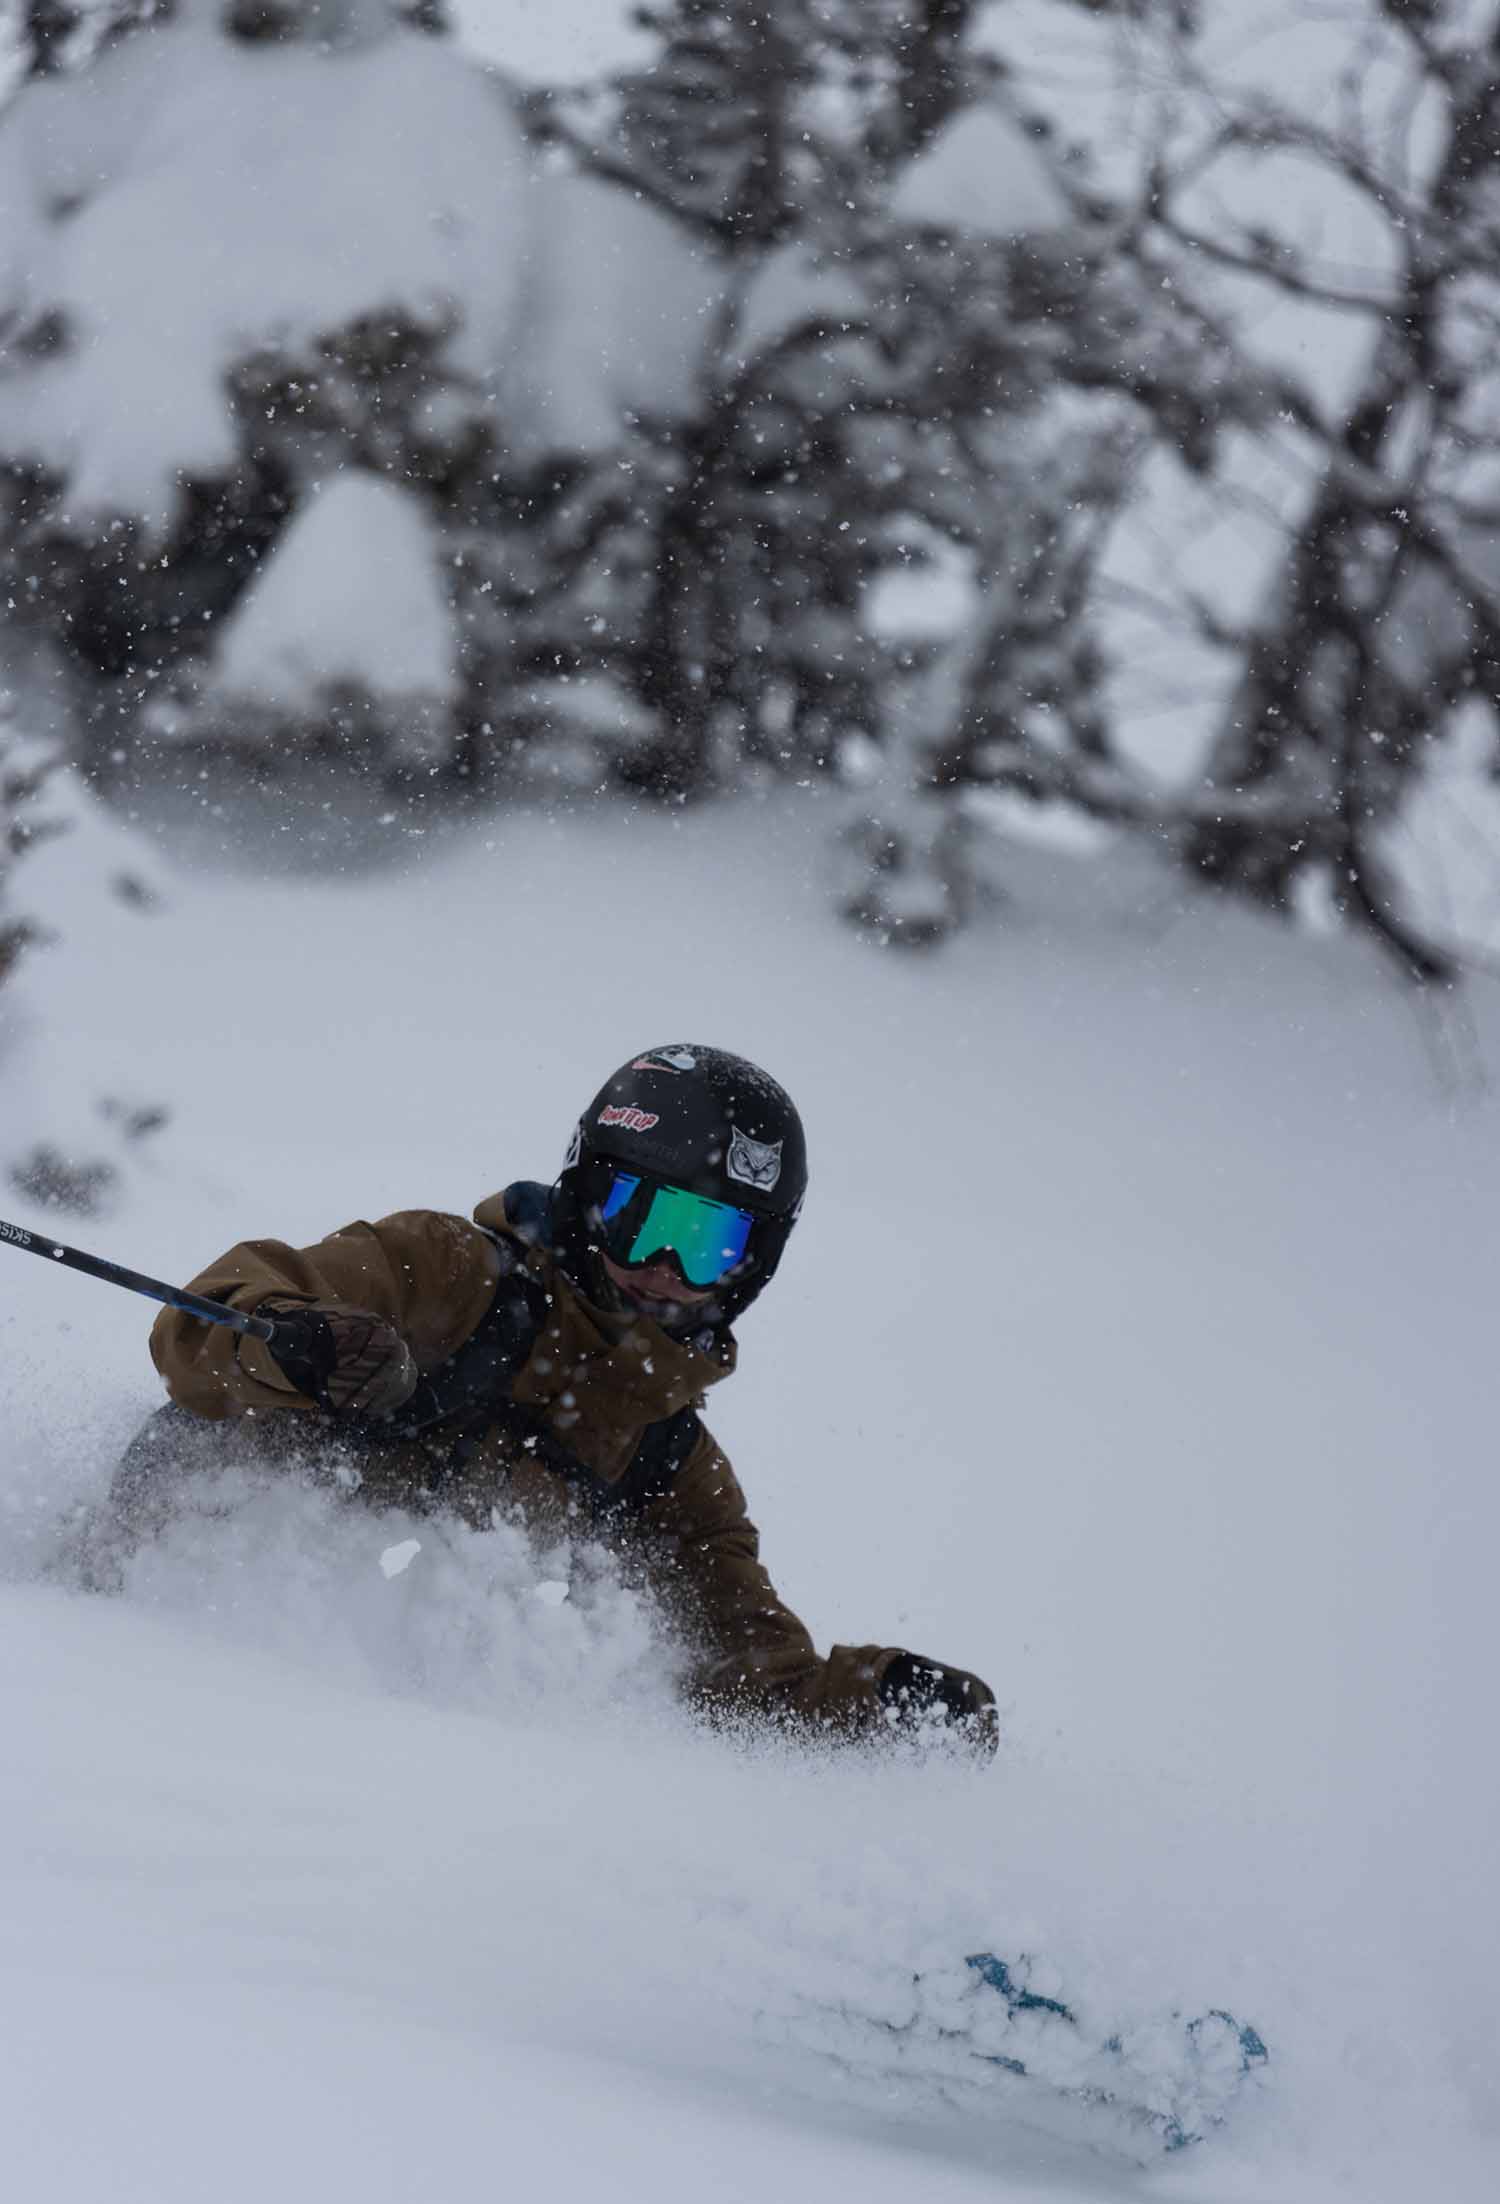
column 550, row 1358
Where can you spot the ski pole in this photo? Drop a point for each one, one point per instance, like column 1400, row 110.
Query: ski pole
column 135, row 1281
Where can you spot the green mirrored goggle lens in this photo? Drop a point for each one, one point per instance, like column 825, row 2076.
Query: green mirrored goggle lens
column 709, row 1238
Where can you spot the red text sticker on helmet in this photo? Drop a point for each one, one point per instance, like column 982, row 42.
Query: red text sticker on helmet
column 633, row 1120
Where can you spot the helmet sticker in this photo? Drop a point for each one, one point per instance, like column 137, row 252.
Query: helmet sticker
column 753, row 1162
column 575, row 1147
column 667, row 1059
column 633, row 1120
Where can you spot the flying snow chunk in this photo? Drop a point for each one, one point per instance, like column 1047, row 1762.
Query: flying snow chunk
column 551, row 1593
column 984, row 173
column 396, row 1560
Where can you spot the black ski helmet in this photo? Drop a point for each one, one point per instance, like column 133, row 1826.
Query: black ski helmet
column 697, row 1118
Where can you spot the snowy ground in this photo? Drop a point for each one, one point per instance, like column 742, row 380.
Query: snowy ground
column 1135, row 1350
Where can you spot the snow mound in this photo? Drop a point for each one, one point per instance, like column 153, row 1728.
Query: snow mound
column 622, row 303
column 795, row 285
column 984, row 172
column 349, row 597
column 554, row 41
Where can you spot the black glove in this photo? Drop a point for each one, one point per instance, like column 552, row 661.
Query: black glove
column 349, row 1361
column 923, row 1691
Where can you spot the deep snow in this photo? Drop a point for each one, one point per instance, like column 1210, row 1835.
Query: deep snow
column 1134, row 1349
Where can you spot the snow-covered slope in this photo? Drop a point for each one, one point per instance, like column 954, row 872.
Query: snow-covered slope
column 1135, row 1350
column 299, row 1937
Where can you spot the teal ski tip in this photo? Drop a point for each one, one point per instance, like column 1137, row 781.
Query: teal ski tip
column 1222, row 2052
column 996, row 1974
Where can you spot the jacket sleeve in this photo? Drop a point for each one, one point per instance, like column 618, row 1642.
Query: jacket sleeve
column 429, row 1274
column 753, row 1653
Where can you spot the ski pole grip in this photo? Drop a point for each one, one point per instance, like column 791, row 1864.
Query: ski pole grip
column 219, row 1312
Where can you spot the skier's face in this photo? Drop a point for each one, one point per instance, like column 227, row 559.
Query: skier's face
column 655, row 1288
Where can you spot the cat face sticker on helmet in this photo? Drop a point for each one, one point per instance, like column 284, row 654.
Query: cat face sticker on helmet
column 754, row 1163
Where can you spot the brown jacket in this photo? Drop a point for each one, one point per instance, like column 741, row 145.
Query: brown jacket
column 434, row 1277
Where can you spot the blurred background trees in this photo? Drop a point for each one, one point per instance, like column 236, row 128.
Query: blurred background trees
column 25, row 768
column 64, row 1143
column 1010, row 414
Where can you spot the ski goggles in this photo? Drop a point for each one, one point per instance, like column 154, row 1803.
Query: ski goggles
column 643, row 1217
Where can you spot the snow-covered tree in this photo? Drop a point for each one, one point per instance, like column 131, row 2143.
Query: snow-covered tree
column 639, row 399
column 754, row 112
column 1382, row 627
column 1051, row 364
column 800, row 142
column 1359, row 193
column 184, row 361
column 48, row 37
